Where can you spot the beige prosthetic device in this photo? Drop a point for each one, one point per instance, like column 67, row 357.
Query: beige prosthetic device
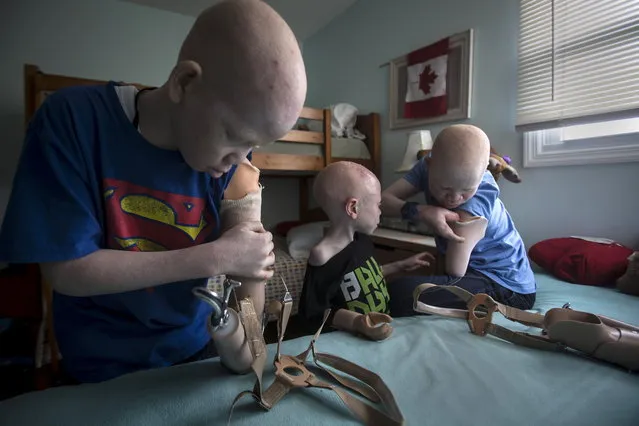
column 226, row 329
column 458, row 254
column 243, row 203
column 563, row 329
column 373, row 325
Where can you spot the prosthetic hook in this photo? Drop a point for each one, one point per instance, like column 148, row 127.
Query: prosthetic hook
column 220, row 315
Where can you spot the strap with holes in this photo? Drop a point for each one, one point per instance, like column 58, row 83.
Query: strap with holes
column 480, row 313
column 292, row 372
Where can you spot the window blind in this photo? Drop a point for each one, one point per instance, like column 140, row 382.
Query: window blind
column 578, row 62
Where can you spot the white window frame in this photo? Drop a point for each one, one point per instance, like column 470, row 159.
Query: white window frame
column 550, row 147
column 598, row 137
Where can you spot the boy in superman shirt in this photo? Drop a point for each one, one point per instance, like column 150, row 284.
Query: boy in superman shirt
column 121, row 196
column 342, row 273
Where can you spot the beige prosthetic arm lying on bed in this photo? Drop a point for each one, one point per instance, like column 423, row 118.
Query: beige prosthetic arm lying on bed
column 473, row 229
column 374, row 325
column 242, row 203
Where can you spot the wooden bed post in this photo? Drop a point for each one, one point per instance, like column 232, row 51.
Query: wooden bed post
column 328, row 159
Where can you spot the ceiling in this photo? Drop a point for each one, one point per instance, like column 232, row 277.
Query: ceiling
column 305, row 17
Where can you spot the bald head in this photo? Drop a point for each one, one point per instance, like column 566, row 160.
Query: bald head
column 249, row 59
column 461, row 152
column 342, row 181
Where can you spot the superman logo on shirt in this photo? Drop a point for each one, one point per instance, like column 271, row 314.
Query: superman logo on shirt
column 144, row 219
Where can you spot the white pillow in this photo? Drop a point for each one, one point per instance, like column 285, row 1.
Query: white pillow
column 303, row 238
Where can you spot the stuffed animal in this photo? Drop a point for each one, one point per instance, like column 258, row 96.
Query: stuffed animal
column 500, row 166
column 497, row 165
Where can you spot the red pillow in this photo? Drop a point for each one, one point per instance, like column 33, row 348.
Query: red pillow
column 582, row 261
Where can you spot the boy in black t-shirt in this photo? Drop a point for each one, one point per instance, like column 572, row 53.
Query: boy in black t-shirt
column 342, row 273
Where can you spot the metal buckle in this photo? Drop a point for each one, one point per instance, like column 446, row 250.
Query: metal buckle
column 220, row 314
column 287, row 295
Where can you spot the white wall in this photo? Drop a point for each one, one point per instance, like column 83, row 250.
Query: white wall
column 101, row 39
column 343, row 61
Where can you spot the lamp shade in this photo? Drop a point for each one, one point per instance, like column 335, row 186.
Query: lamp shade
column 417, row 141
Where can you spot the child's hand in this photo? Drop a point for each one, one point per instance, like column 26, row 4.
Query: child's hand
column 374, row 325
column 416, row 261
column 438, row 219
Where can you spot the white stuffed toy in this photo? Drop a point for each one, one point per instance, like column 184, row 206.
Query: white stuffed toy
column 344, row 117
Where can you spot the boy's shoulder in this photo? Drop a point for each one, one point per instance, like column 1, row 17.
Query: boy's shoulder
column 320, row 254
column 328, row 253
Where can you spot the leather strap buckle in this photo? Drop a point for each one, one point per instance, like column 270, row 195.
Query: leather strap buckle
column 480, row 320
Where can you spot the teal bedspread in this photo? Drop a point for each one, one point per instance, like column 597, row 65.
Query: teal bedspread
column 439, row 373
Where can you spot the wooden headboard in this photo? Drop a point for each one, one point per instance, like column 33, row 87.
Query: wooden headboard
column 38, row 85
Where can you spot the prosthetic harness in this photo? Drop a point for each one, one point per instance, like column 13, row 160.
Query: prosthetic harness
column 291, row 371
column 562, row 329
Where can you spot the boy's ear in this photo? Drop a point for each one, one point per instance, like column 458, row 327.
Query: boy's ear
column 351, row 207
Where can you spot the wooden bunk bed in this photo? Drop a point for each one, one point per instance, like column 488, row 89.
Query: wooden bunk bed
column 300, row 154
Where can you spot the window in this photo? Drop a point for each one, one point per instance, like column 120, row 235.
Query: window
column 578, row 92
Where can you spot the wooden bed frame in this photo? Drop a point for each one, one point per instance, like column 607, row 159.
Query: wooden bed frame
column 37, row 85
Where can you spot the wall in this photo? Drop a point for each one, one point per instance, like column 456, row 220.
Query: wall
column 101, row 39
column 343, row 63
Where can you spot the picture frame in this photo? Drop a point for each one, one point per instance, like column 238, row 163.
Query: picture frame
column 458, row 84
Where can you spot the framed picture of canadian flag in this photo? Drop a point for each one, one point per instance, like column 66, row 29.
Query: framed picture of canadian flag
column 432, row 84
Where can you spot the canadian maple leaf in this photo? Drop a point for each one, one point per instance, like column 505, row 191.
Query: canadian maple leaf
column 426, row 79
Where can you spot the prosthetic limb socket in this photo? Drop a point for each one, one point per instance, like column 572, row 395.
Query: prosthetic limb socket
column 226, row 330
column 243, row 203
column 458, row 254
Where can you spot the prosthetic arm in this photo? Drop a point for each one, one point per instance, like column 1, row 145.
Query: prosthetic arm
column 242, row 203
column 373, row 325
column 472, row 229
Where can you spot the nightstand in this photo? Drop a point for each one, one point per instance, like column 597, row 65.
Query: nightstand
column 392, row 245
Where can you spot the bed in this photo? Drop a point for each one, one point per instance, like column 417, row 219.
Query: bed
column 440, row 374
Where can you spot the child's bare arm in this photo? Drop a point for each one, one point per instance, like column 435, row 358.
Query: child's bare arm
column 472, row 229
column 409, row 264
column 374, row 325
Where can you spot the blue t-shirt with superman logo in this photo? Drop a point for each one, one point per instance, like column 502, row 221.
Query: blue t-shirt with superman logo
column 501, row 254
column 87, row 180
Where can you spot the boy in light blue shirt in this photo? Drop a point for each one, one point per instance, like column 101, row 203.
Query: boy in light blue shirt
column 484, row 252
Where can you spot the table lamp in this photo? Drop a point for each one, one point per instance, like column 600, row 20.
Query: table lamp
column 418, row 141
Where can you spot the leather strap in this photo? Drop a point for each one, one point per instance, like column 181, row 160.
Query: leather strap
column 291, row 372
column 480, row 313
column 588, row 335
